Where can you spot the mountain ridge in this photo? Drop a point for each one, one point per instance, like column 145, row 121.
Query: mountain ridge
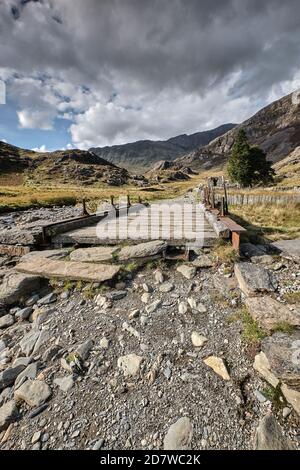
column 275, row 128
column 142, row 154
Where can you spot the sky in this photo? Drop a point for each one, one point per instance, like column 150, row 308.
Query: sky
column 83, row 73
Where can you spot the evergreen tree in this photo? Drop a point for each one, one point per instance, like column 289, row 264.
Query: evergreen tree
column 239, row 165
column 248, row 165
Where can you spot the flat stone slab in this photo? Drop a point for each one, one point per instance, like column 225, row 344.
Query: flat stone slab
column 253, row 278
column 94, row 254
column 142, row 250
column 75, row 271
column 49, row 254
column 269, row 313
column 290, row 249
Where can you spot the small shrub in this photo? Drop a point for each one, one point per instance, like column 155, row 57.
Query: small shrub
column 252, row 333
column 275, row 396
column 224, row 253
column 284, row 327
column 292, row 297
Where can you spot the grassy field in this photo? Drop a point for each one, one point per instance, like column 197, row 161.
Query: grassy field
column 23, row 197
column 268, row 221
column 263, row 221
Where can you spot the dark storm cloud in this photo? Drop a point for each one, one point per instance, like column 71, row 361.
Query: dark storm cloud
column 157, row 46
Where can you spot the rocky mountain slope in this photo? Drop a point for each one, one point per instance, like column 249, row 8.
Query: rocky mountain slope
column 275, row 128
column 68, row 166
column 143, row 154
column 145, row 348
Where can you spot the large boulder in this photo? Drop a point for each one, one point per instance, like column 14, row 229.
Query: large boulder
column 279, row 364
column 283, row 353
column 269, row 313
column 254, row 278
column 16, row 286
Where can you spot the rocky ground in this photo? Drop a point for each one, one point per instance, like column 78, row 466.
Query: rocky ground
column 157, row 359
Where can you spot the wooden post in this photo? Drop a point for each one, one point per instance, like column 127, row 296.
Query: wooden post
column 225, row 195
column 139, row 200
column 222, row 212
column 235, row 240
column 128, row 200
column 84, row 210
column 112, row 200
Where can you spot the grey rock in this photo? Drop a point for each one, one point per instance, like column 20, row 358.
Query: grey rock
column 198, row 340
column 151, row 308
column 269, row 313
column 130, row 364
column 142, row 250
column 22, row 361
column 24, row 313
column 48, row 299
column 269, row 435
column 98, row 444
column 32, row 300
column 29, row 373
column 33, row 340
column 250, row 250
column 286, row 412
column 96, row 254
column 187, row 271
column 6, row 321
column 116, row 295
column 203, row 261
column 166, row 287
column 9, row 375
column 8, row 414
column 53, row 351
column 263, row 259
column 179, row 435
column 33, row 392
column 289, row 249
column 282, row 351
column 254, row 278
column 17, row 285
column 65, row 383
column 36, row 437
column 84, row 349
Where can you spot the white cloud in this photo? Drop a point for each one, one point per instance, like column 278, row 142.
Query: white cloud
column 41, row 149
column 127, row 70
column 3, row 140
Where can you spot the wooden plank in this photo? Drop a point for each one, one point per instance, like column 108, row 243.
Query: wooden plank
column 232, row 225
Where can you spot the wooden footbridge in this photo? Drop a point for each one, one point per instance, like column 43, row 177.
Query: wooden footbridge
column 183, row 223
